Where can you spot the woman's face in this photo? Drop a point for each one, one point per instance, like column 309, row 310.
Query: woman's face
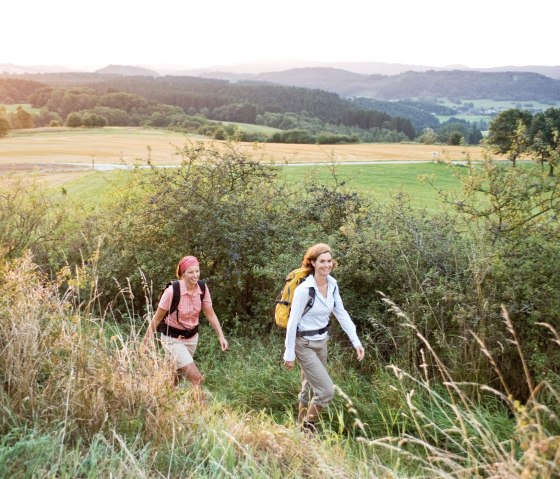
column 323, row 264
column 191, row 275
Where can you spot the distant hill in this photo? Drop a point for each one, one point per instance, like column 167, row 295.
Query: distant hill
column 549, row 71
column 245, row 70
column 363, row 68
column 127, row 70
column 431, row 84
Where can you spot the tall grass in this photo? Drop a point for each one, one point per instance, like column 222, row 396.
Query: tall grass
column 456, row 436
column 80, row 398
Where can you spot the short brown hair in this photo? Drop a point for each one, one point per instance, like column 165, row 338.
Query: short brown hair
column 313, row 253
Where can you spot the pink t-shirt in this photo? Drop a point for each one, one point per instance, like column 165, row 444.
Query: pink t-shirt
column 189, row 306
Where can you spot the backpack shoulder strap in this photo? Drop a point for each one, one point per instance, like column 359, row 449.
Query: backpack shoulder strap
column 310, row 301
column 176, row 297
column 202, row 285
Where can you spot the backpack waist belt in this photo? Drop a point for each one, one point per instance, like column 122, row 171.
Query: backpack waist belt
column 164, row 328
column 313, row 332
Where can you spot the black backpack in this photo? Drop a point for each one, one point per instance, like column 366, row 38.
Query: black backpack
column 165, row 328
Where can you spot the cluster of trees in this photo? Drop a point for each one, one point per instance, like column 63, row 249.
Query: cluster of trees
column 517, row 133
column 15, row 120
column 16, row 90
column 454, row 131
column 84, row 106
column 420, row 114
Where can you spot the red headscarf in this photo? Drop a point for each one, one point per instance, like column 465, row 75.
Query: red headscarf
column 186, row 263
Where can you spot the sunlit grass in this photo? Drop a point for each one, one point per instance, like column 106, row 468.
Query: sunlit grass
column 419, row 182
column 81, row 398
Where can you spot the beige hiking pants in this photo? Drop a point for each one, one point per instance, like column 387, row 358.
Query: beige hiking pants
column 316, row 384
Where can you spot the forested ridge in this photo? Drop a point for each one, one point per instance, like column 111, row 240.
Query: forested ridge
column 413, row 84
column 307, row 107
column 315, row 112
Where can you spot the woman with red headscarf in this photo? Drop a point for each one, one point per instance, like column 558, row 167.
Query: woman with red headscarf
column 180, row 328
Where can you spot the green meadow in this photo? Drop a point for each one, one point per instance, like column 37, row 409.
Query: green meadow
column 12, row 107
column 420, row 182
column 250, row 128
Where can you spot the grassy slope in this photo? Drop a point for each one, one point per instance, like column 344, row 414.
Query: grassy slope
column 385, row 181
column 250, row 128
column 381, row 182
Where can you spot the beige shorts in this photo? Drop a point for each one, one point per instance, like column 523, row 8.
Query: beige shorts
column 182, row 350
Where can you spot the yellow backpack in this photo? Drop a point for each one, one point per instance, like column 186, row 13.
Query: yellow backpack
column 284, row 301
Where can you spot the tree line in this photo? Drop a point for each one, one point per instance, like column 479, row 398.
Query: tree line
column 193, row 104
column 173, row 101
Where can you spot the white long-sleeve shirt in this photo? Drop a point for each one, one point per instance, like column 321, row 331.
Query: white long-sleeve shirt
column 318, row 316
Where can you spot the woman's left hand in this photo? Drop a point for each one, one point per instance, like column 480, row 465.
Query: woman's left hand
column 360, row 353
column 223, row 343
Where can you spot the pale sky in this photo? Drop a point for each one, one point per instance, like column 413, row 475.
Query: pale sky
column 193, row 34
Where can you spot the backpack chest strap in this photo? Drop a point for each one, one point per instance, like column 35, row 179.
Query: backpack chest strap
column 313, row 332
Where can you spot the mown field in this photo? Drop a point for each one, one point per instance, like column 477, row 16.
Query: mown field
column 63, row 156
column 130, row 145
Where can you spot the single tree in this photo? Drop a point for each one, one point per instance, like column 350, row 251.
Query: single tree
column 73, row 120
column 21, row 119
column 4, row 127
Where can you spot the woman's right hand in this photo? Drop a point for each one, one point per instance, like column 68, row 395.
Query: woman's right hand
column 289, row 364
column 148, row 341
column 360, row 353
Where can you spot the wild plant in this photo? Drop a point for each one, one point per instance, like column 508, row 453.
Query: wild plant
column 450, row 435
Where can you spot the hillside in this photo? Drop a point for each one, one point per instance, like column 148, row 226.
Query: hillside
column 432, row 84
column 225, row 101
column 457, row 312
column 319, row 97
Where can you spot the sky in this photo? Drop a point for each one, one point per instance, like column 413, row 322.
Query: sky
column 205, row 33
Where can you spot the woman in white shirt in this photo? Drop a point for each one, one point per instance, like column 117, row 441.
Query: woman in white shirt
column 307, row 332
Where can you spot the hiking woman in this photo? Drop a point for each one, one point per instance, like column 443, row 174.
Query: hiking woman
column 180, row 328
column 307, row 333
